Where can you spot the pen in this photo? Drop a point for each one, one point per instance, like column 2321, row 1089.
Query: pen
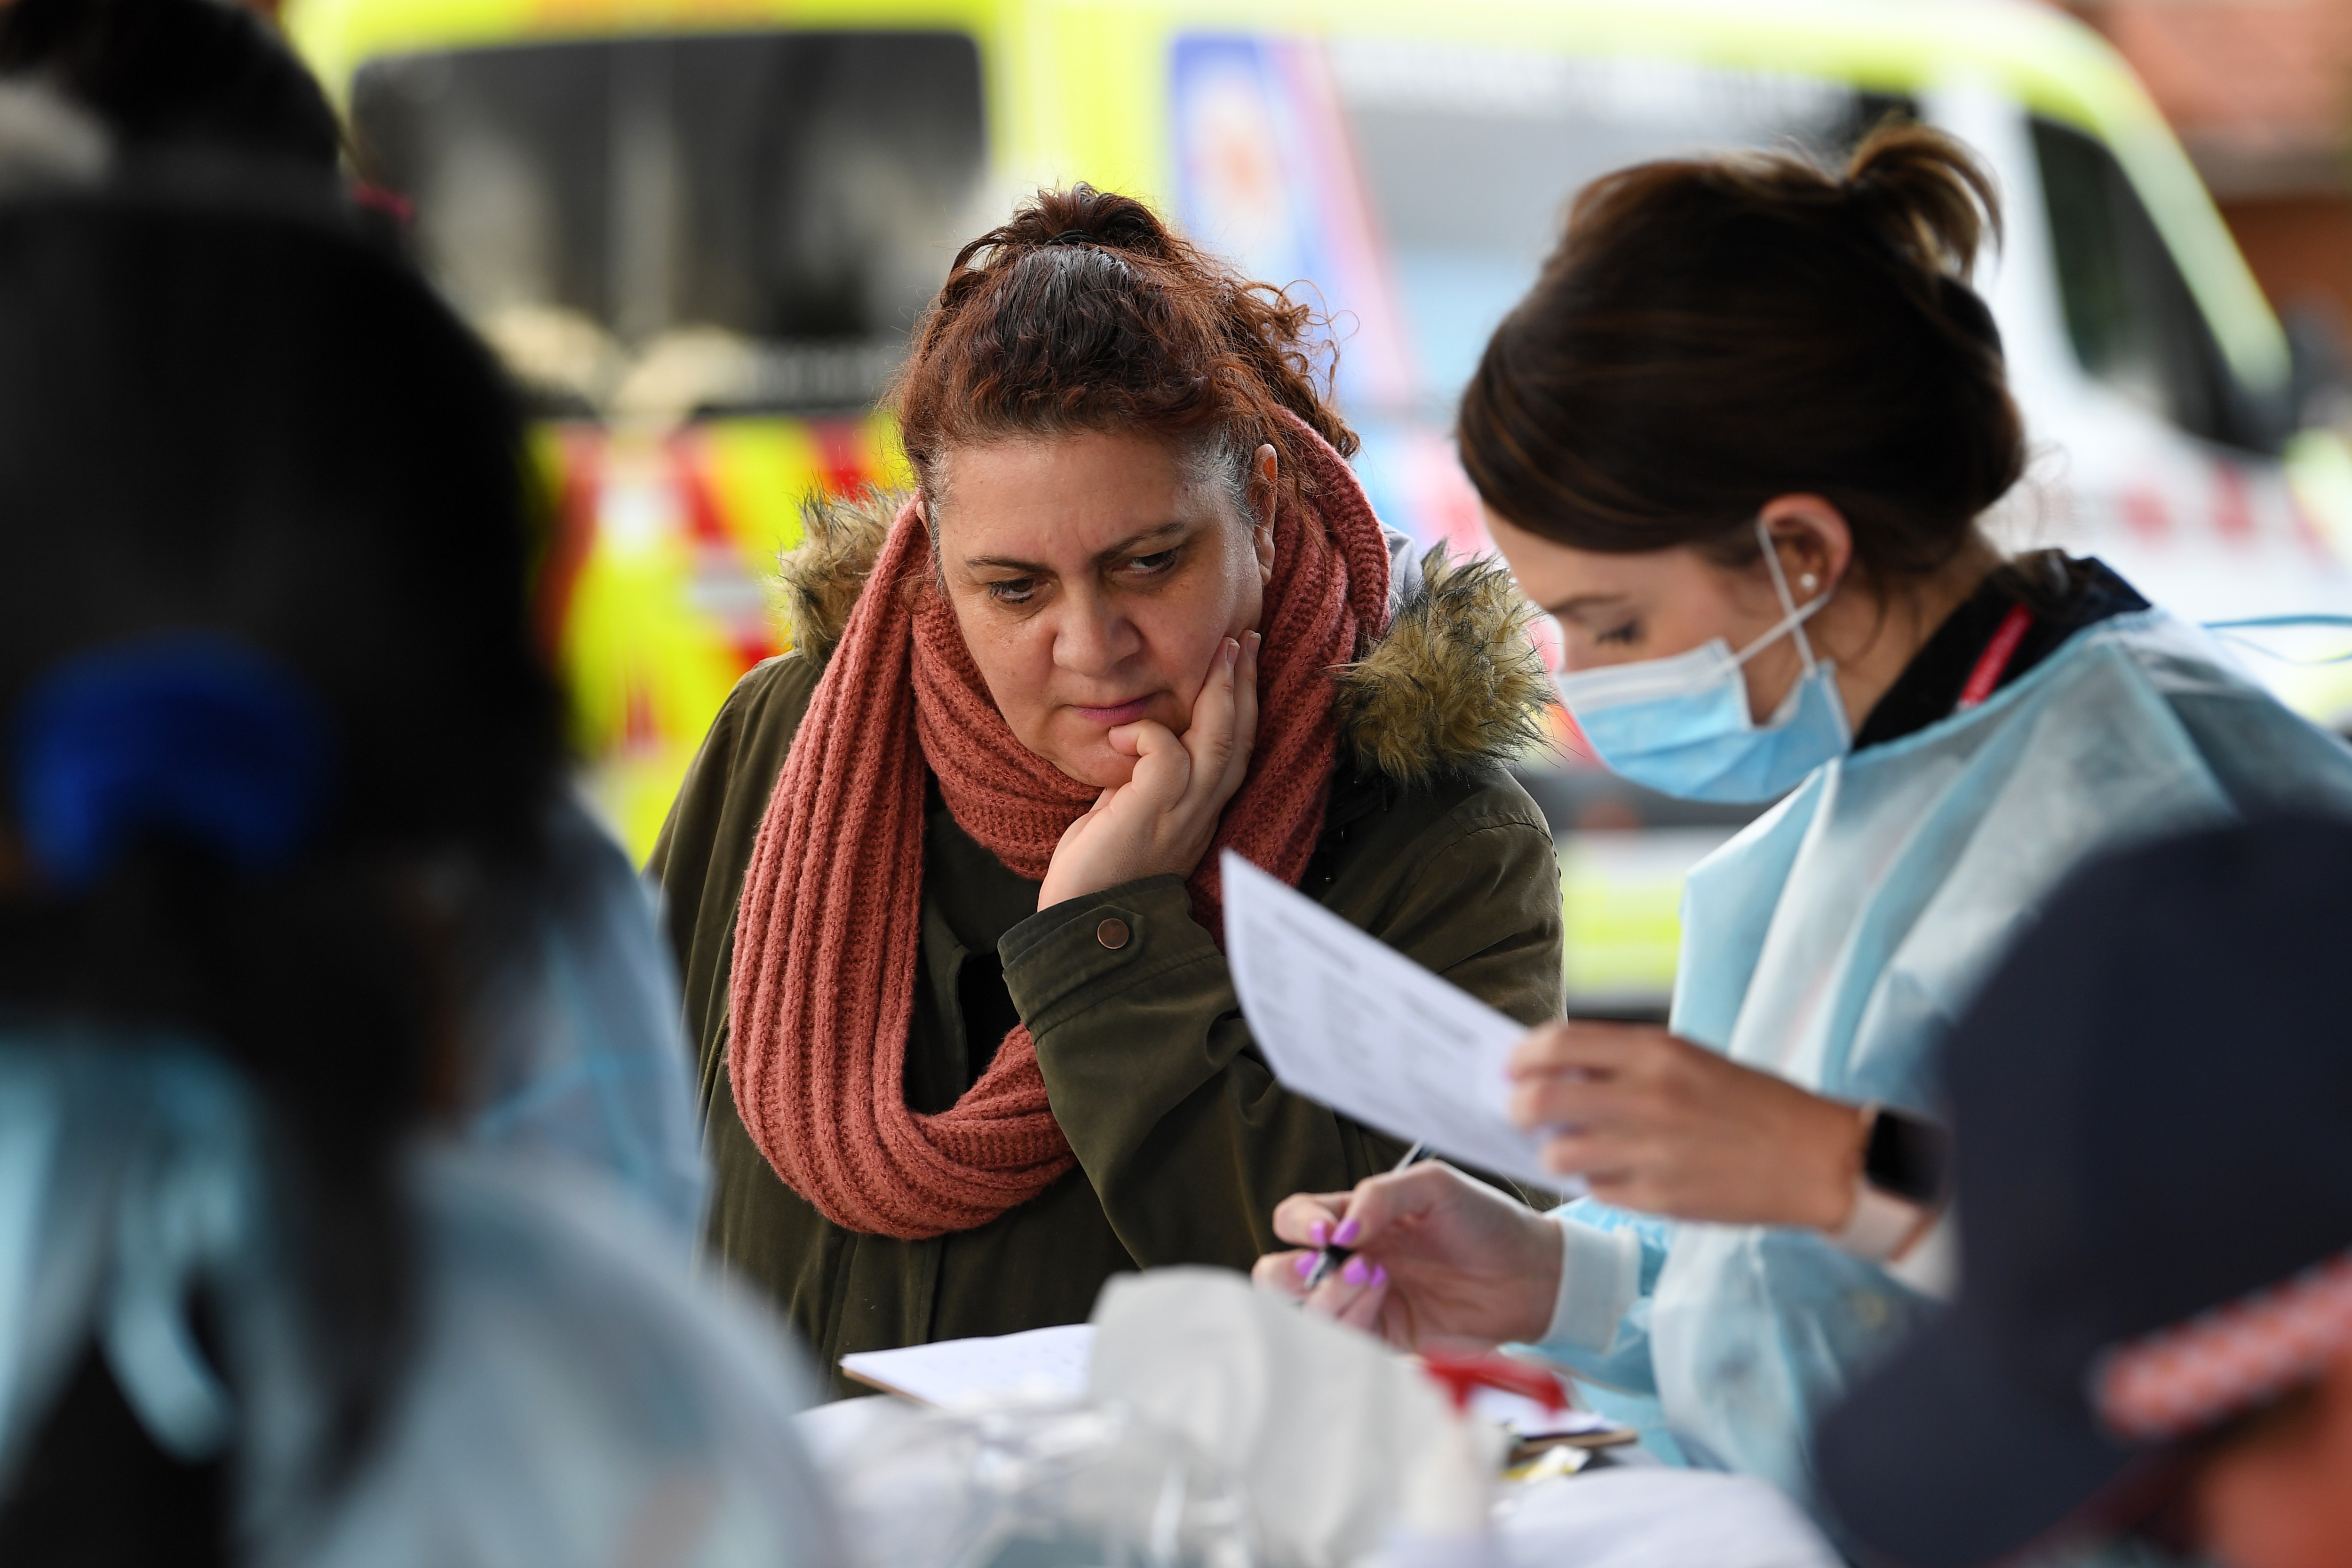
column 1331, row 1256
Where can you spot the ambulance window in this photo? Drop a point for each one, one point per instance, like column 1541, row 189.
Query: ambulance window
column 1421, row 185
column 2135, row 325
column 746, row 219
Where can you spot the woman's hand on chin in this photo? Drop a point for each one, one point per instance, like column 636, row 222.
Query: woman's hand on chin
column 1164, row 817
column 1440, row 1262
column 1656, row 1123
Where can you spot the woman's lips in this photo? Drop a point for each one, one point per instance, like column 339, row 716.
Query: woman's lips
column 1125, row 713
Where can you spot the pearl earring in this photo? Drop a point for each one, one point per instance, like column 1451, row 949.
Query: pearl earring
column 1807, row 582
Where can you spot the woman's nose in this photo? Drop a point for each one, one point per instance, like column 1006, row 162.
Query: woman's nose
column 1093, row 638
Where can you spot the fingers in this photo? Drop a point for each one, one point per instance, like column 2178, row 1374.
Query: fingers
column 1279, row 1272
column 1588, row 1076
column 1358, row 1218
column 1215, row 712
column 1245, row 714
column 1578, row 1151
column 1380, row 1204
column 1093, row 813
column 1163, row 768
column 1297, row 1216
column 1353, row 1295
column 1582, row 1047
column 1564, row 1102
column 1354, row 1300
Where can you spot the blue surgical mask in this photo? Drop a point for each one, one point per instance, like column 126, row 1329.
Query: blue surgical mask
column 1681, row 725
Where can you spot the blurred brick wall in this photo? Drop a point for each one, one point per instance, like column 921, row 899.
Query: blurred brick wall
column 2260, row 92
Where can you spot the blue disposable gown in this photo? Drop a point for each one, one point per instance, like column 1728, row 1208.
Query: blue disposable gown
column 1836, row 941
column 580, row 1053
column 571, row 1395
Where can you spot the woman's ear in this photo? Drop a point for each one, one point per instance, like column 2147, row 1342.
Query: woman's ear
column 1264, row 471
column 1814, row 540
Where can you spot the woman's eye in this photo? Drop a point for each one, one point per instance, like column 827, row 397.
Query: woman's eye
column 1147, row 564
column 1013, row 590
column 1624, row 636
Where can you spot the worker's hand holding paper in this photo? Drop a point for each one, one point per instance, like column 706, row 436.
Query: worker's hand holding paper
column 1346, row 1018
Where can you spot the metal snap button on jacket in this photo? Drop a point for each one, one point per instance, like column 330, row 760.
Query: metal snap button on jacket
column 1112, row 933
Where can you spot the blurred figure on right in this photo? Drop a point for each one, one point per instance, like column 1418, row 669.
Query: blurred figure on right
column 2154, row 1107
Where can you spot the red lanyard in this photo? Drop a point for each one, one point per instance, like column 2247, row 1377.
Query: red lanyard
column 1993, row 663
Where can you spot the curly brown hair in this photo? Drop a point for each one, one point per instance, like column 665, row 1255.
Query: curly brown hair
column 1086, row 312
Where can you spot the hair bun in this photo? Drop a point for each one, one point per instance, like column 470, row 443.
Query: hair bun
column 1087, row 311
column 1926, row 195
column 1966, row 310
column 1085, row 218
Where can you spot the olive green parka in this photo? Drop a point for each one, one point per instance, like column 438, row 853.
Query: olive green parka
column 1184, row 1141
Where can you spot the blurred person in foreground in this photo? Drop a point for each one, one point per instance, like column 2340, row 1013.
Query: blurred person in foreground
column 943, row 879
column 178, row 75
column 1737, row 439
column 585, row 1060
column 277, row 762
column 2153, row 1100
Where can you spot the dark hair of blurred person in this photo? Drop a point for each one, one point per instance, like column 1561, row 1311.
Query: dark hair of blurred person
column 180, row 74
column 280, row 763
column 2152, row 1333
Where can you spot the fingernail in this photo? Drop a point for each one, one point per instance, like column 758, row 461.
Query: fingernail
column 1233, row 652
column 1356, row 1273
column 1320, row 1233
column 1380, row 1274
column 1254, row 639
column 1306, row 1264
column 1346, row 1233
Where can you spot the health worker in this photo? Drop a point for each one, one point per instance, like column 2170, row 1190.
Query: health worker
column 1737, row 440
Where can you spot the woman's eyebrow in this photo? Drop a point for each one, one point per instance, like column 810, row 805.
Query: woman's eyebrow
column 1575, row 609
column 1128, row 546
column 1132, row 544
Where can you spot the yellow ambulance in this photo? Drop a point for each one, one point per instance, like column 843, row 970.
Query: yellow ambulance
column 699, row 229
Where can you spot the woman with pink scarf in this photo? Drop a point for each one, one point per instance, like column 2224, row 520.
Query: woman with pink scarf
column 942, row 882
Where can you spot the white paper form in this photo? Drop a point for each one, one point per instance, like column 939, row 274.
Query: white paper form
column 1347, row 1020
column 1041, row 1364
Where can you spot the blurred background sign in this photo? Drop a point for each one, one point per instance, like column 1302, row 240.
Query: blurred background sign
column 698, row 230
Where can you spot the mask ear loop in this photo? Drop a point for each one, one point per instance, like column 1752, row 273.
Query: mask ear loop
column 1792, row 619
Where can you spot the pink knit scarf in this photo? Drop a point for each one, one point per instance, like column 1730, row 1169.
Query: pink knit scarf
column 823, row 982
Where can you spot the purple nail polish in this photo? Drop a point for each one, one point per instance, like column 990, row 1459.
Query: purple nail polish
column 1346, row 1233
column 1320, row 1233
column 1355, row 1273
column 1306, row 1264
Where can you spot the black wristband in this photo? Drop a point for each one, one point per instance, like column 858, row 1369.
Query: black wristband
column 1907, row 1156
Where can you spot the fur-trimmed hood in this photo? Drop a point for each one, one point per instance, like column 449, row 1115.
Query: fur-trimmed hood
column 1455, row 685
